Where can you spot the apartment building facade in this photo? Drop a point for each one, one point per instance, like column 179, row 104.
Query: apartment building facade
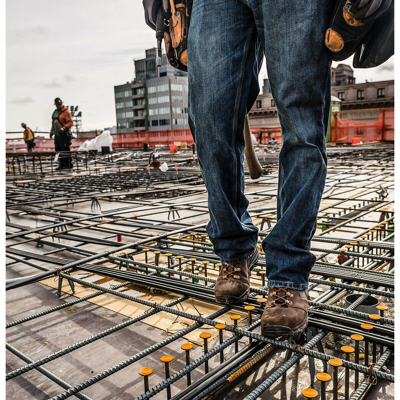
column 361, row 101
column 156, row 99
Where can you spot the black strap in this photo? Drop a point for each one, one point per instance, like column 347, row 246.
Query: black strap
column 58, row 117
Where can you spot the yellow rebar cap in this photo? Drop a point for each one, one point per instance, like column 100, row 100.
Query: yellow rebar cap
column 166, row 359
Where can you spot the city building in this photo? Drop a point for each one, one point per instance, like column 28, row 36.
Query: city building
column 365, row 99
column 156, row 99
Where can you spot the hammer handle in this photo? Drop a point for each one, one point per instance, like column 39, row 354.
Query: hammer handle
column 255, row 168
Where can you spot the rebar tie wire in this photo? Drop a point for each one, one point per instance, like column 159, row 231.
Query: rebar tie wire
column 359, row 393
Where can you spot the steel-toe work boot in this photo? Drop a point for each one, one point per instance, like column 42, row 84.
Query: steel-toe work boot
column 286, row 312
column 233, row 284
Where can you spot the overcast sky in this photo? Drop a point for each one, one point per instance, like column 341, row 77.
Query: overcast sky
column 78, row 50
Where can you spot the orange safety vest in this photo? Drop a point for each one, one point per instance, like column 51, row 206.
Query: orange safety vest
column 28, row 134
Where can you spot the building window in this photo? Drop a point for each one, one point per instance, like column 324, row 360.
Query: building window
column 139, row 123
column 176, row 87
column 163, row 74
column 152, row 89
column 119, row 95
column 139, row 102
column 258, row 103
column 153, row 111
column 131, row 124
column 272, row 103
column 163, row 99
column 154, row 122
column 162, row 88
column 119, row 105
column 139, row 113
column 177, row 98
column 129, row 104
column 153, row 100
column 381, row 93
column 164, row 110
column 129, row 114
column 360, row 94
column 137, row 91
column 164, row 122
column 120, row 115
column 341, row 96
column 121, row 125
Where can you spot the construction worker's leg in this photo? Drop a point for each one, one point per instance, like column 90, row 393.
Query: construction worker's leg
column 224, row 58
column 299, row 71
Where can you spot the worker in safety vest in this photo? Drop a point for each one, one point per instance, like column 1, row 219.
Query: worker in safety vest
column 60, row 129
column 29, row 137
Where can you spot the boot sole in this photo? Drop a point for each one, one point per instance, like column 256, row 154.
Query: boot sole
column 273, row 331
column 227, row 300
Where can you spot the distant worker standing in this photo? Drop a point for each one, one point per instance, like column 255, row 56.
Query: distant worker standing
column 156, row 159
column 29, row 137
column 60, row 129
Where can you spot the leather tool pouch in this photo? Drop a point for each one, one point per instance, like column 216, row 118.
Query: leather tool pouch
column 176, row 37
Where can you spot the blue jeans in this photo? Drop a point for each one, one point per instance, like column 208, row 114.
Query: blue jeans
column 227, row 42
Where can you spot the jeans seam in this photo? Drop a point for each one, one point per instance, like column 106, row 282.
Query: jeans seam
column 236, row 113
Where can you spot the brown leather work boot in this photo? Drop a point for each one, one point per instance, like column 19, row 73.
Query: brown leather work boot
column 233, row 284
column 286, row 312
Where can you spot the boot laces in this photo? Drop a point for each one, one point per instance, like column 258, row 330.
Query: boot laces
column 280, row 297
column 230, row 273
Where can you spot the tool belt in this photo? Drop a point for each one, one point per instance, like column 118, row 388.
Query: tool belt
column 176, row 35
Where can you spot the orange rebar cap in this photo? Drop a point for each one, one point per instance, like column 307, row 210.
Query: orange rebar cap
column 309, row 393
column 367, row 327
column 347, row 349
column 205, row 335
column 323, row 377
column 335, row 362
column 166, row 359
column 375, row 317
column 220, row 326
column 235, row 316
column 382, row 307
column 145, row 371
column 357, row 337
column 187, row 346
column 249, row 308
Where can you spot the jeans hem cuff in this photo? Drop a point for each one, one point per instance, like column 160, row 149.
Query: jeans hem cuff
column 238, row 260
column 287, row 284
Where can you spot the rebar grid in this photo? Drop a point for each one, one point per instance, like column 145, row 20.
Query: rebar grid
column 358, row 200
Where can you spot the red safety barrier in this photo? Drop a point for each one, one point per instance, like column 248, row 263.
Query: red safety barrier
column 265, row 134
column 128, row 140
column 355, row 131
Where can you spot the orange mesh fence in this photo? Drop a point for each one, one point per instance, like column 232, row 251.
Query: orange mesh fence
column 355, row 131
column 131, row 139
